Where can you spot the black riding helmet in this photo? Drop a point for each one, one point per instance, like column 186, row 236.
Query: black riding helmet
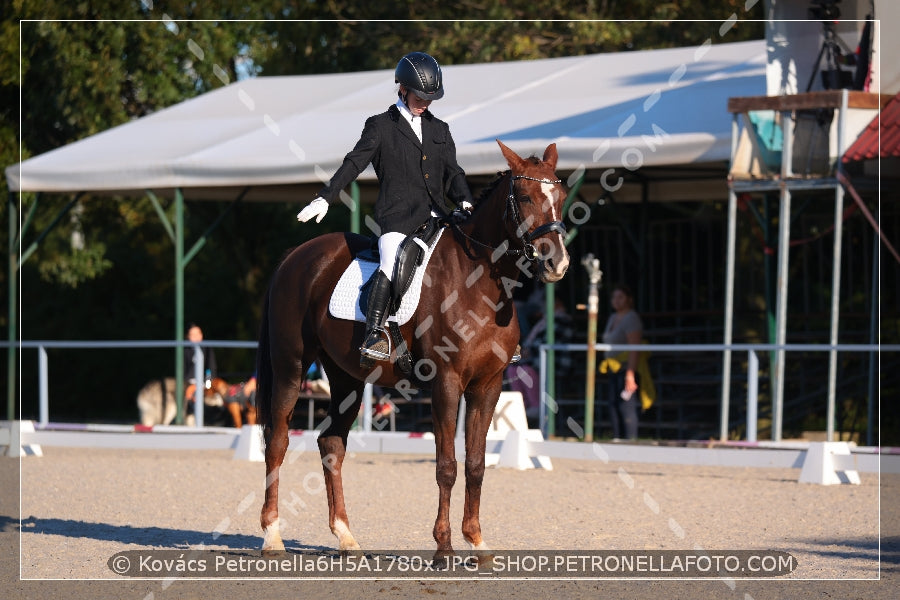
column 421, row 74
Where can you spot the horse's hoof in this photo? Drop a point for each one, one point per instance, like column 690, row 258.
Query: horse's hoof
column 350, row 546
column 346, row 541
column 482, row 558
column 441, row 555
column 442, row 561
column 272, row 542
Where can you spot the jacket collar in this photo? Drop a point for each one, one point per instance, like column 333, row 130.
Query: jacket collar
column 405, row 127
column 394, row 112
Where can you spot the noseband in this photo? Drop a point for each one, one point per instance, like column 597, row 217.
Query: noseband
column 526, row 237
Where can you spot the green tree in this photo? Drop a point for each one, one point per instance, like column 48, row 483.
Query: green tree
column 374, row 35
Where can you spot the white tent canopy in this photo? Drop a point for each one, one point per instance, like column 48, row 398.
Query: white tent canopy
column 658, row 107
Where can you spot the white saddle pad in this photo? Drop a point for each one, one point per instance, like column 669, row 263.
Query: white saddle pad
column 344, row 302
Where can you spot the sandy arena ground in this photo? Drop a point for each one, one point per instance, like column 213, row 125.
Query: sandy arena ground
column 80, row 507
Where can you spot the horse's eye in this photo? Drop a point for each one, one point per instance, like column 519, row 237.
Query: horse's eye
column 525, row 198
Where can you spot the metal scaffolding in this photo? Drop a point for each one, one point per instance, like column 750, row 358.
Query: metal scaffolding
column 749, row 173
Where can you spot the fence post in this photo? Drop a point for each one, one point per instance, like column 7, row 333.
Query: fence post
column 592, row 265
column 43, row 386
column 549, row 407
column 368, row 404
column 200, row 384
column 752, row 394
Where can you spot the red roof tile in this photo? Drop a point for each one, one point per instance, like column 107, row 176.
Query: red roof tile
column 866, row 145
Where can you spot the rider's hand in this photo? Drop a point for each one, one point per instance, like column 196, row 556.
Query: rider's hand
column 463, row 212
column 459, row 215
column 317, row 208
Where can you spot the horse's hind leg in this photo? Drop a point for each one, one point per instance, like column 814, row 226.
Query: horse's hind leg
column 346, row 396
column 284, row 396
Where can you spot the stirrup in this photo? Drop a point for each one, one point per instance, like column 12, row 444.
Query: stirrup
column 517, row 355
column 375, row 350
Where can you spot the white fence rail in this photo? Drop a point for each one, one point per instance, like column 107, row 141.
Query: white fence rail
column 44, row 364
column 548, row 403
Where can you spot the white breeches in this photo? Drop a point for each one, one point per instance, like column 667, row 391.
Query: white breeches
column 388, row 244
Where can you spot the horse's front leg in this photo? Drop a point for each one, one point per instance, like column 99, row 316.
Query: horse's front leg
column 480, row 405
column 445, row 407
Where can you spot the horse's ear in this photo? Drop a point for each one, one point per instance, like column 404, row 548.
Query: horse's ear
column 512, row 159
column 551, row 156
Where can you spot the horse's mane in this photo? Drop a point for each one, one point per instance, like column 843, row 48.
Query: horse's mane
column 489, row 188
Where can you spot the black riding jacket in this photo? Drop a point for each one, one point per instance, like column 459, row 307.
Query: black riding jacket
column 413, row 175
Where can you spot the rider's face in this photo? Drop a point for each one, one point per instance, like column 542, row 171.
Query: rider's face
column 415, row 104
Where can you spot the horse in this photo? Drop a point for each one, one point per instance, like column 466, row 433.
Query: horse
column 462, row 337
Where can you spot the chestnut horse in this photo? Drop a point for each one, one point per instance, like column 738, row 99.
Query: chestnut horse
column 462, row 337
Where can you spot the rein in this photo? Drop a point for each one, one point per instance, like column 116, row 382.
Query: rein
column 525, row 237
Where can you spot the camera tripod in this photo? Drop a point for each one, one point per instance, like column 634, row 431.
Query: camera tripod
column 831, row 48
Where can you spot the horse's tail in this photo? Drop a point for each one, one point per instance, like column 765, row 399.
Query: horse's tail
column 264, row 370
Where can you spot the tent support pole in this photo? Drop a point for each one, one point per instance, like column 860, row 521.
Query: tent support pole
column 16, row 236
column 874, row 367
column 731, row 228
column 550, row 338
column 189, row 255
column 179, row 304
column 784, row 242
column 729, row 312
column 836, row 269
column 835, row 307
column 162, row 214
column 182, row 259
column 550, row 311
column 13, row 298
column 34, row 245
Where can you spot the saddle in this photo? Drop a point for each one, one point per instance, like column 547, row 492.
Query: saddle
column 351, row 296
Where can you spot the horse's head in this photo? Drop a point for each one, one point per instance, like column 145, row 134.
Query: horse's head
column 534, row 205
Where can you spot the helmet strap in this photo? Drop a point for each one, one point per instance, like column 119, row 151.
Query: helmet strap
column 404, row 98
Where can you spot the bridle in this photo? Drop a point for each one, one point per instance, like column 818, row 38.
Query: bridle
column 526, row 237
column 528, row 251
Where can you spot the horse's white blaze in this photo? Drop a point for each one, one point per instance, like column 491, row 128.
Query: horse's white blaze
column 345, row 538
column 551, row 193
column 272, row 537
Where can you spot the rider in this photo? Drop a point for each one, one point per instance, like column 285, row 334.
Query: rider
column 414, row 158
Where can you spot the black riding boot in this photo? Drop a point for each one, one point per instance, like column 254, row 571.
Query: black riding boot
column 376, row 344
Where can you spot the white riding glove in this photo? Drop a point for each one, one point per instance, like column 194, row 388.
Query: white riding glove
column 466, row 206
column 317, row 208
